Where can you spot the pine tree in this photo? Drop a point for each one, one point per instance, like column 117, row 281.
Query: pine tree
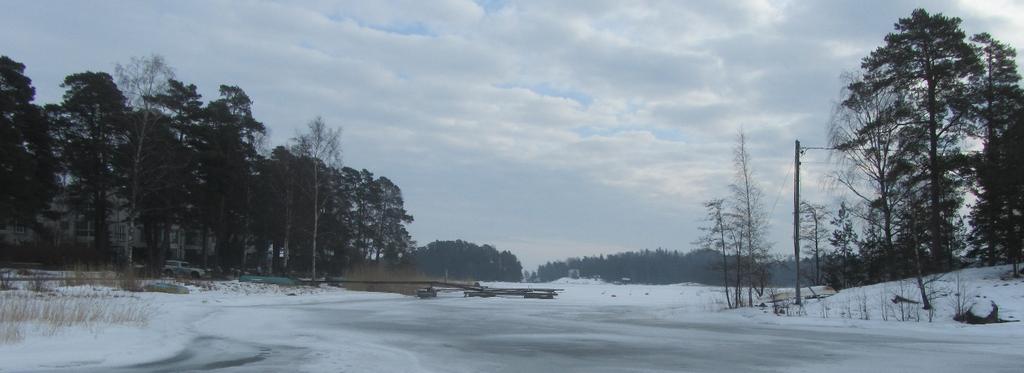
column 842, row 266
column 27, row 160
column 998, row 100
column 92, row 120
column 928, row 57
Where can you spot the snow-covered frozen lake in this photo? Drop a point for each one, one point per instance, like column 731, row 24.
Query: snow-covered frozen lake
column 642, row 328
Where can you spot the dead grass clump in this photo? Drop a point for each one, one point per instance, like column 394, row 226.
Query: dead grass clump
column 51, row 312
column 37, row 283
column 10, row 333
column 383, row 273
column 201, row 284
column 5, row 280
column 128, row 280
column 89, row 275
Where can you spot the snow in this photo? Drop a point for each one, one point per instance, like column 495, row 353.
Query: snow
column 979, row 286
column 577, row 281
column 590, row 326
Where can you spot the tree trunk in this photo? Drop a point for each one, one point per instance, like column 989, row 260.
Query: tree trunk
column 935, row 177
column 739, row 272
column 926, row 304
column 890, row 259
column 151, row 236
column 288, row 213
column 275, row 259
column 165, row 244
column 817, row 262
column 919, row 273
column 101, row 236
column 725, row 261
column 316, row 212
column 206, row 251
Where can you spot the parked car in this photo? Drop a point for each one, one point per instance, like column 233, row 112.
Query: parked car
column 178, row 268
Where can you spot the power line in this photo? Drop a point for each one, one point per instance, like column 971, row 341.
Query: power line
column 778, row 196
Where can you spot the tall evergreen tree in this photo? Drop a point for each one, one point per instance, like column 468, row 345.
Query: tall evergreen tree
column 842, row 265
column 998, row 100
column 168, row 194
column 929, row 58
column 226, row 157
column 27, row 161
column 1014, row 139
column 92, row 125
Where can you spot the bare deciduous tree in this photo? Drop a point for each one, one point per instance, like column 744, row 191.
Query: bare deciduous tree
column 751, row 220
column 814, row 233
column 322, row 145
column 872, row 154
column 141, row 80
column 714, row 239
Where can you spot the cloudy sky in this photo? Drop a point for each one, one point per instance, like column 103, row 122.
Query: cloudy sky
column 551, row 129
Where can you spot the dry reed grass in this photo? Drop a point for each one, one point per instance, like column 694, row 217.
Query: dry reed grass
column 382, row 273
column 39, row 284
column 10, row 333
column 5, row 280
column 48, row 313
column 128, row 280
column 203, row 285
column 86, row 275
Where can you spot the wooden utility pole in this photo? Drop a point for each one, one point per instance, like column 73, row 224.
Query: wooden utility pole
column 796, row 218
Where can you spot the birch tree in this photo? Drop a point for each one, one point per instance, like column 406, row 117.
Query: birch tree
column 322, row 145
column 714, row 239
column 814, row 233
column 142, row 80
column 873, row 154
column 751, row 218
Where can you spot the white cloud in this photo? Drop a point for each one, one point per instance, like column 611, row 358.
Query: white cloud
column 551, row 124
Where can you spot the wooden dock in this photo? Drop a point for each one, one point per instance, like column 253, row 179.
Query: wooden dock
column 431, row 288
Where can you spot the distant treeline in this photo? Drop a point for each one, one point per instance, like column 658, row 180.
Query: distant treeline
column 647, row 266
column 467, row 261
column 658, row 267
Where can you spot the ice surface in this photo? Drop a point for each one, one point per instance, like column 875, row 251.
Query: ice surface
column 590, row 327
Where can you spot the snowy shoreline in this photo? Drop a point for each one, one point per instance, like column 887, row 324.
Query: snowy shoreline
column 297, row 324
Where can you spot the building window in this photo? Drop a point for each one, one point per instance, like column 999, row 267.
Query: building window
column 84, row 228
column 191, row 238
column 120, row 233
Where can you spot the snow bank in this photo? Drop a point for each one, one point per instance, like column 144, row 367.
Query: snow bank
column 975, row 288
column 577, row 281
column 658, row 299
column 167, row 330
